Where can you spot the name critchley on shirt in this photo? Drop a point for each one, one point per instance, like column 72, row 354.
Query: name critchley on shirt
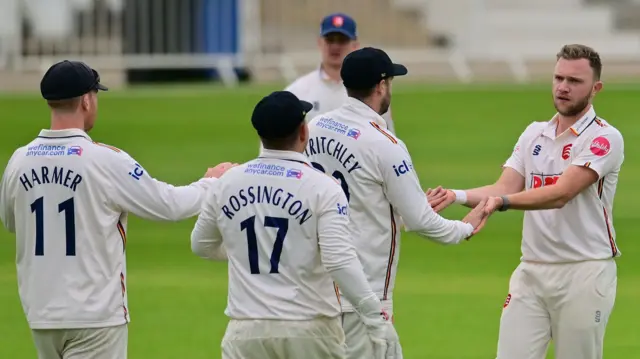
column 275, row 196
column 335, row 149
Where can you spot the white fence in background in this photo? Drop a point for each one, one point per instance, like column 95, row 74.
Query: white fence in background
column 506, row 39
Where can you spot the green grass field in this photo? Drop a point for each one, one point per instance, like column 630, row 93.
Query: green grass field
column 447, row 299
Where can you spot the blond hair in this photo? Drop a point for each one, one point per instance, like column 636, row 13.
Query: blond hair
column 577, row 52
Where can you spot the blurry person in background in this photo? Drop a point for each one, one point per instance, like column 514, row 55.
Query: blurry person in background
column 323, row 87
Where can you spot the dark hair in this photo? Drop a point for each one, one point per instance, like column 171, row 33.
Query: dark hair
column 281, row 144
column 577, row 52
column 360, row 94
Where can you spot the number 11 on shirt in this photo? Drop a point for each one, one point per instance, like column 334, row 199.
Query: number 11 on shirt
column 68, row 207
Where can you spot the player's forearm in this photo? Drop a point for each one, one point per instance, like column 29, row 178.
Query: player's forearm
column 206, row 241
column 175, row 203
column 475, row 195
column 353, row 285
column 441, row 230
column 420, row 218
column 210, row 249
column 543, row 198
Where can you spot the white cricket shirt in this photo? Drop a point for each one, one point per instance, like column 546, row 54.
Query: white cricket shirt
column 325, row 94
column 375, row 170
column 583, row 228
column 282, row 225
column 66, row 198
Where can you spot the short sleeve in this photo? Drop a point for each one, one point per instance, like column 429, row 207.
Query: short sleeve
column 603, row 154
column 516, row 160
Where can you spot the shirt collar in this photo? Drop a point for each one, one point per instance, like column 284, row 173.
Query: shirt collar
column 68, row 133
column 325, row 77
column 577, row 129
column 362, row 108
column 284, row 155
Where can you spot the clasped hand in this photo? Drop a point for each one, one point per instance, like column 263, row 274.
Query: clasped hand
column 440, row 198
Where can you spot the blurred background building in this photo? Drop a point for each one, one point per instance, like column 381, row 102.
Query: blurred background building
column 274, row 40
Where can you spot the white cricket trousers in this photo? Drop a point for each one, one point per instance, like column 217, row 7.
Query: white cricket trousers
column 359, row 345
column 567, row 303
column 93, row 343
column 284, row 339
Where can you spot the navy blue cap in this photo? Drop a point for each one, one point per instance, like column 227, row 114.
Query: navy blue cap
column 69, row 79
column 340, row 23
column 366, row 67
column 279, row 114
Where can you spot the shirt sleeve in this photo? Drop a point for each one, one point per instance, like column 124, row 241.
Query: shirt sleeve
column 206, row 238
column 338, row 253
column 403, row 190
column 516, row 160
column 135, row 191
column 7, row 214
column 604, row 153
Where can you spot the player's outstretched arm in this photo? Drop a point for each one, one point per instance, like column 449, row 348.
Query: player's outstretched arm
column 511, row 181
column 603, row 156
column 340, row 259
column 206, row 239
column 404, row 192
column 136, row 192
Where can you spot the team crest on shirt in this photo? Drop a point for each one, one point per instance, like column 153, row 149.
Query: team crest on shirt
column 566, row 151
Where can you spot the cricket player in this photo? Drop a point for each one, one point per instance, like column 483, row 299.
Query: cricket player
column 284, row 228
column 352, row 144
column 563, row 173
column 66, row 198
column 323, row 87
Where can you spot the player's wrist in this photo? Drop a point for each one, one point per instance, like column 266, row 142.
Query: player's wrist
column 505, row 204
column 369, row 307
column 461, row 196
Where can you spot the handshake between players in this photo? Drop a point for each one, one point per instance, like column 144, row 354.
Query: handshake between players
column 441, row 198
